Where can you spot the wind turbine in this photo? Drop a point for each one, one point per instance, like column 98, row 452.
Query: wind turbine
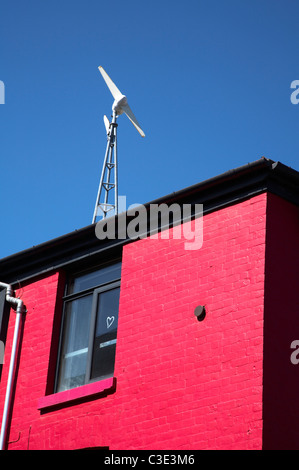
column 120, row 106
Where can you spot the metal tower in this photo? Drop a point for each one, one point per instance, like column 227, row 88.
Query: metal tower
column 108, row 181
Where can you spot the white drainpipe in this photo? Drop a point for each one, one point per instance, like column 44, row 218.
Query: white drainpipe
column 18, row 304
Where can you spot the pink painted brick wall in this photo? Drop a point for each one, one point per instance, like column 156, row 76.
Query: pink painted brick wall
column 195, row 384
column 181, row 384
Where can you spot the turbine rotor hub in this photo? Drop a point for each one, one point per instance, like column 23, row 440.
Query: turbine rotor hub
column 118, row 105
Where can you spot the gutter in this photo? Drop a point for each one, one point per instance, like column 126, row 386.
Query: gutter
column 18, row 305
column 231, row 187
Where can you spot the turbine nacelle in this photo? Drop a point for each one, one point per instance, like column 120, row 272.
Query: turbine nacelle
column 119, row 104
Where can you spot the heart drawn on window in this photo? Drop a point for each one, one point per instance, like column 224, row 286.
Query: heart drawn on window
column 109, row 321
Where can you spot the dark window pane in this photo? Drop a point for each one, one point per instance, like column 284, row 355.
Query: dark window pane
column 75, row 343
column 96, row 278
column 105, row 334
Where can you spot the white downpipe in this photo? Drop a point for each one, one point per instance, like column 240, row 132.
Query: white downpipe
column 18, row 303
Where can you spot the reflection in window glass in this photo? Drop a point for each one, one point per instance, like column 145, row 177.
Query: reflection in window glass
column 95, row 278
column 105, row 334
column 75, row 343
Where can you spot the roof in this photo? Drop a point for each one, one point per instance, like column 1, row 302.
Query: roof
column 75, row 248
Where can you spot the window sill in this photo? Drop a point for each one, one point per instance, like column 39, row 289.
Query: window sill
column 75, row 394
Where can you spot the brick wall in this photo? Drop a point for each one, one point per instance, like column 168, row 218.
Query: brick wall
column 181, row 384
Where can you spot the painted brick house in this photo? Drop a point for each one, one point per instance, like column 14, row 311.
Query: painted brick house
column 142, row 344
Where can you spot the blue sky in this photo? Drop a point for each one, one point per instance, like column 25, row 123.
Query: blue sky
column 209, row 82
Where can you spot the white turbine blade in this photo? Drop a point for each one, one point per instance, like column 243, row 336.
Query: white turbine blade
column 112, row 87
column 107, row 123
column 127, row 110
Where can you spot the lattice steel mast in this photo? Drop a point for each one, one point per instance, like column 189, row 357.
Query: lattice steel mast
column 108, row 181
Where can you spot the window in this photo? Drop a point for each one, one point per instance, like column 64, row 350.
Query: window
column 89, row 328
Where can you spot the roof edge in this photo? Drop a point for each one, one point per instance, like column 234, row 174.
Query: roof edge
column 214, row 193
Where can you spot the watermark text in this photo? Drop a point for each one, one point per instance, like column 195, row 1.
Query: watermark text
column 156, row 221
column 2, row 92
column 295, row 354
column 295, row 94
column 2, row 347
